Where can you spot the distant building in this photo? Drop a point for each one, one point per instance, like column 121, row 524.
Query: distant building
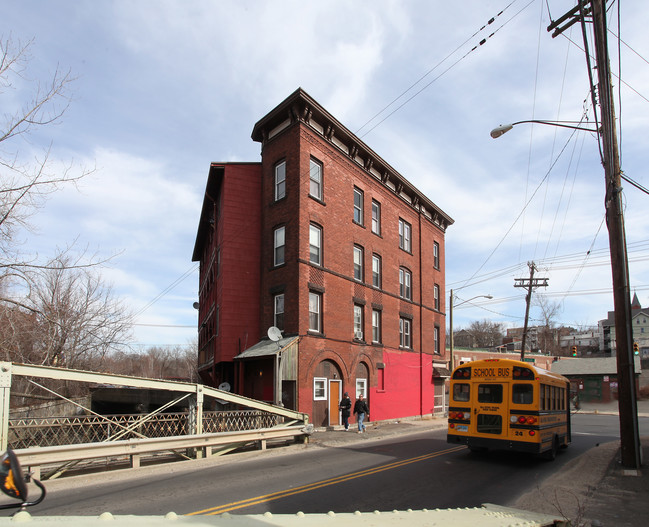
column 640, row 328
column 325, row 241
column 593, row 379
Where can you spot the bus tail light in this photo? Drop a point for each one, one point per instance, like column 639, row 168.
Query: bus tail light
column 531, row 420
column 522, row 420
column 532, row 432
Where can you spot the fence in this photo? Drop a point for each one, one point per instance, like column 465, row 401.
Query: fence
column 33, row 436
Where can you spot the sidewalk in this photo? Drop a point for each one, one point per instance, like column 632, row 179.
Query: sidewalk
column 591, row 490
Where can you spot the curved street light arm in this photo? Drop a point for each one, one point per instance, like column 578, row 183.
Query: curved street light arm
column 504, row 128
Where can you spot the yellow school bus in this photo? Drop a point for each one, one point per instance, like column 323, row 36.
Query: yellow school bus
column 505, row 404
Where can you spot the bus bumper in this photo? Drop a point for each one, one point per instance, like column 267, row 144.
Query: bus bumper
column 480, row 443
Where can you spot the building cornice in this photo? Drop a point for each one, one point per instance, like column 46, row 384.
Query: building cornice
column 300, row 107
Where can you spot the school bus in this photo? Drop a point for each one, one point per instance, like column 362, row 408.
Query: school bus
column 505, row 404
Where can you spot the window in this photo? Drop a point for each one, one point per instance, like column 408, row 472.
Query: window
column 436, row 296
column 358, row 206
column 376, row 270
column 376, row 325
column 436, row 339
column 361, row 388
column 404, row 333
column 522, row 393
column 280, row 180
column 461, row 392
column 278, row 315
column 358, row 322
column 405, row 283
column 436, row 255
column 358, row 263
column 315, row 244
column 490, row 393
column 315, row 178
column 319, row 389
column 376, row 217
column 404, row 235
column 280, row 240
column 315, row 300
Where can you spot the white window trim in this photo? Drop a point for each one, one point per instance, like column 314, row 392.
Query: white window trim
column 324, row 383
column 281, row 163
column 311, row 178
column 276, row 246
column 362, row 383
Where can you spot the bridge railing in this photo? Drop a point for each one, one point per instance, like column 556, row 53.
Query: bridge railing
column 29, row 434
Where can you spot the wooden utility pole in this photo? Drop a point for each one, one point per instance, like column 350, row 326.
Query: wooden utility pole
column 529, row 283
column 631, row 452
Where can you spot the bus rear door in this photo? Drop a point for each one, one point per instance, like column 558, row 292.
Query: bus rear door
column 490, row 413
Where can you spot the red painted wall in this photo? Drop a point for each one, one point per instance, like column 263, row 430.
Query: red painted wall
column 401, row 396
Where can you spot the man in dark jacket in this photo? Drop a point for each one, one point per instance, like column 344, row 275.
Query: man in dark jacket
column 345, row 409
column 361, row 410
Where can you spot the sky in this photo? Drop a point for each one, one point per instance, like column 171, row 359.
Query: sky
column 164, row 88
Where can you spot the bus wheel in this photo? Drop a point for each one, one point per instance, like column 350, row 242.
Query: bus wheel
column 551, row 454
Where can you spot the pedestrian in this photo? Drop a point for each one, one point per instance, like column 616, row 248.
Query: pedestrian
column 361, row 410
column 345, row 409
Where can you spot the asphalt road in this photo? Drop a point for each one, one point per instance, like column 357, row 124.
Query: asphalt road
column 417, row 470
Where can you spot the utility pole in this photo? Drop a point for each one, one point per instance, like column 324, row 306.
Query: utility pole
column 529, row 283
column 631, row 452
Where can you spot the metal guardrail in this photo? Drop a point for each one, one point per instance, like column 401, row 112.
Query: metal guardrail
column 52, row 431
column 34, row 436
column 34, row 458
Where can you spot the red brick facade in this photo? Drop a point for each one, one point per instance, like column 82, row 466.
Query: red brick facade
column 338, row 350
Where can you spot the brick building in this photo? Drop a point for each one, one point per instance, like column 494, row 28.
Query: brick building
column 327, row 242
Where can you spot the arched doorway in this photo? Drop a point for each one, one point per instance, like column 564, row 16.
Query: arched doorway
column 327, row 392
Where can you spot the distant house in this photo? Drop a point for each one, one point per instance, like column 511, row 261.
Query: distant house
column 594, row 379
column 640, row 328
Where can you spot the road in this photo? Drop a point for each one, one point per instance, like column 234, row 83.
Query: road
column 418, row 470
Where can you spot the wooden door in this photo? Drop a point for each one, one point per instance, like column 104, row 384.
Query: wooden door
column 334, row 399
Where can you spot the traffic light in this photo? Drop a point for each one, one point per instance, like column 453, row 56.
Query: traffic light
column 574, row 351
column 636, row 349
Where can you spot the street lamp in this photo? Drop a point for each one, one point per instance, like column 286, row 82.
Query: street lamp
column 450, row 322
column 504, row 128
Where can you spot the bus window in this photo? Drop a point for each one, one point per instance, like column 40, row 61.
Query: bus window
column 461, row 392
column 490, row 393
column 489, row 424
column 522, row 394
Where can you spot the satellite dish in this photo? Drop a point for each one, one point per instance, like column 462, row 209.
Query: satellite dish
column 196, row 305
column 274, row 333
column 224, row 387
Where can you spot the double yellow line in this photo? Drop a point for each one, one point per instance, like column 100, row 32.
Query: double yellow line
column 319, row 484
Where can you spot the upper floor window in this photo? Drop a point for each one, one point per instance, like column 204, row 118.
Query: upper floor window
column 358, row 206
column 358, row 263
column 376, row 217
column 315, row 312
column 315, row 244
column 376, row 325
column 376, row 270
column 405, row 332
column 404, row 235
column 278, row 315
column 405, row 283
column 279, row 245
column 436, row 255
column 436, row 296
column 436, row 339
column 358, row 322
column 280, row 180
column 315, row 179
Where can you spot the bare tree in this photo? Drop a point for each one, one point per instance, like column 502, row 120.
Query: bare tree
column 77, row 318
column 26, row 179
column 486, row 334
column 548, row 337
